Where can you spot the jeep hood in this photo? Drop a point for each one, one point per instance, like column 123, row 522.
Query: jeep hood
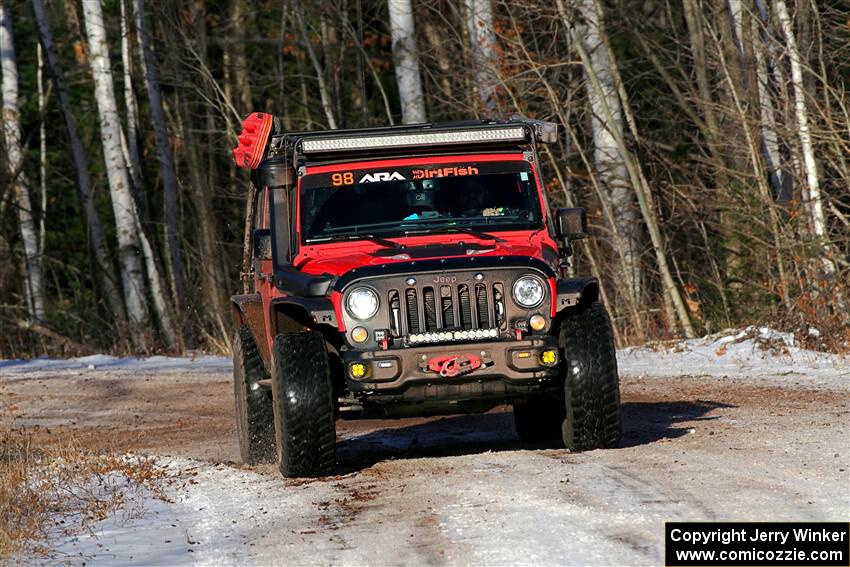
column 340, row 257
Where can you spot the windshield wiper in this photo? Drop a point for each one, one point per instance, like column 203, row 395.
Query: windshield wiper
column 463, row 229
column 359, row 236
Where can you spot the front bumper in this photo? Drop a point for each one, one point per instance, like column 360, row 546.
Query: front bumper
column 507, row 366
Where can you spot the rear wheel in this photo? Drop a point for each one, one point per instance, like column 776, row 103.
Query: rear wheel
column 305, row 432
column 591, row 384
column 254, row 415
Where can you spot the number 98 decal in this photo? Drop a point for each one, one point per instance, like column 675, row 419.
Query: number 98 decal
column 346, row 178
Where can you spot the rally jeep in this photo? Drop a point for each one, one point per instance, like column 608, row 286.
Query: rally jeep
column 412, row 271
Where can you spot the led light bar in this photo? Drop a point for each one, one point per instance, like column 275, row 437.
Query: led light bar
column 444, row 336
column 414, row 139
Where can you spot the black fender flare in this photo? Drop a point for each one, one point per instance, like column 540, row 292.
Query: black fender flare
column 293, row 314
column 572, row 291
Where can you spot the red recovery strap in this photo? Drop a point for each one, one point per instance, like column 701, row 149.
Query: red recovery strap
column 253, row 140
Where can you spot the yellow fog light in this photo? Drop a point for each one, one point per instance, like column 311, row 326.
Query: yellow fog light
column 359, row 334
column 549, row 357
column 358, row 370
column 537, row 322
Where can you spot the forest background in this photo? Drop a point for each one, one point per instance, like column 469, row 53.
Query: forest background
column 708, row 139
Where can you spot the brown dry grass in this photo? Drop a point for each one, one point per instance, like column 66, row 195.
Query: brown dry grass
column 52, row 488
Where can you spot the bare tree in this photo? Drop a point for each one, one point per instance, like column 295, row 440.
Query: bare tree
column 818, row 218
column 102, row 265
column 406, row 61
column 607, row 127
column 34, row 282
column 42, row 151
column 688, row 131
column 674, row 304
column 167, row 169
column 324, row 91
column 482, row 39
column 211, row 270
column 236, row 50
column 126, row 216
column 770, row 137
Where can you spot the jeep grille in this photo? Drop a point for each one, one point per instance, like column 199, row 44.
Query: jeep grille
column 446, row 307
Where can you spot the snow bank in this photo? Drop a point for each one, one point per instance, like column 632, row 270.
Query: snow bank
column 753, row 352
column 131, row 365
column 750, row 353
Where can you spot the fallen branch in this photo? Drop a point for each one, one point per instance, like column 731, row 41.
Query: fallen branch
column 68, row 342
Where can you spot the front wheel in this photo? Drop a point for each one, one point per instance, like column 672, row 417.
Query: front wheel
column 591, row 384
column 302, row 394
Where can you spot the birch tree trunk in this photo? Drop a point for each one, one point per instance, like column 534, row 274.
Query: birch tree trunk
column 818, row 218
column 102, row 264
column 406, row 61
column 609, row 162
column 673, row 303
column 482, row 40
column 770, row 138
column 34, row 282
column 329, row 36
column 755, row 164
column 167, row 171
column 131, row 154
column 42, row 151
column 126, row 217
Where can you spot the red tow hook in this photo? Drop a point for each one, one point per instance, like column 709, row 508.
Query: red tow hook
column 454, row 365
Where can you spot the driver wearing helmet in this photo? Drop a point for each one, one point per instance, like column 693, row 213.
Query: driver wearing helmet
column 421, row 199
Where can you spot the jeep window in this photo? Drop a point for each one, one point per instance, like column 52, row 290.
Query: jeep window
column 391, row 202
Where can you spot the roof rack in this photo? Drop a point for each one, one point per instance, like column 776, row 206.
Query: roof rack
column 414, row 138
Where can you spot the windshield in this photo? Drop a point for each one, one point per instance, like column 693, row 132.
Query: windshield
column 485, row 196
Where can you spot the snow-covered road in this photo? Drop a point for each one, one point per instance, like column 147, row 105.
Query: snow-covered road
column 718, row 430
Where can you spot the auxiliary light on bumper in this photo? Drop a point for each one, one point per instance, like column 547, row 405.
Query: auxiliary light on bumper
column 443, row 336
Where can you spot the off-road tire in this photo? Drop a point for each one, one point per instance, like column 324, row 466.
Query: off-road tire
column 254, row 415
column 539, row 418
column 305, row 434
column 591, row 384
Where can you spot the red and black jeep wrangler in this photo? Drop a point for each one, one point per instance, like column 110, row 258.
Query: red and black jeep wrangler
column 412, row 271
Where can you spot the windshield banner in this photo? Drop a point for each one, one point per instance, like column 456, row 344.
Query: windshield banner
column 412, row 173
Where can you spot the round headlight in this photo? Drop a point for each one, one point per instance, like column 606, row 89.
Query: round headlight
column 362, row 303
column 528, row 291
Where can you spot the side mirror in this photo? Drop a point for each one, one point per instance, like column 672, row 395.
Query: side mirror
column 571, row 223
column 273, row 172
column 262, row 244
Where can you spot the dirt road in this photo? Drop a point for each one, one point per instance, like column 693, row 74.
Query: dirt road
column 463, row 489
